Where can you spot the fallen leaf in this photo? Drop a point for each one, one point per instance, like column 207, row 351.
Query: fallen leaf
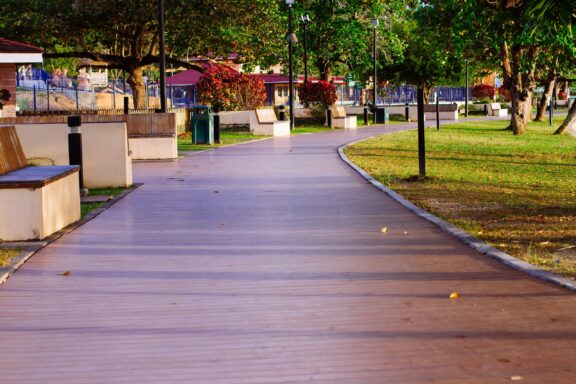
column 454, row 295
column 384, row 229
column 545, row 243
column 516, row 378
column 66, row 273
column 406, row 233
column 216, row 192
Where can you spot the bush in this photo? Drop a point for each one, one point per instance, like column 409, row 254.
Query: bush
column 562, row 95
column 482, row 90
column 314, row 94
column 504, row 94
column 220, row 87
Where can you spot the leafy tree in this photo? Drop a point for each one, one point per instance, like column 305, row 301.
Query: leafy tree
column 339, row 34
column 321, row 93
column 230, row 91
column 125, row 33
column 429, row 57
column 503, row 28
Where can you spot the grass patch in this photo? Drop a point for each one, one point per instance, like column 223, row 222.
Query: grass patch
column 517, row 193
column 6, row 255
column 227, row 137
column 86, row 208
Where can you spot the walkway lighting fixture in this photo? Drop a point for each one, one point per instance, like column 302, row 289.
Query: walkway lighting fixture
column 305, row 19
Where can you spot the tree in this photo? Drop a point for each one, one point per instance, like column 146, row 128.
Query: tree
column 321, row 93
column 125, row 33
column 429, row 57
column 504, row 28
column 221, row 87
column 339, row 34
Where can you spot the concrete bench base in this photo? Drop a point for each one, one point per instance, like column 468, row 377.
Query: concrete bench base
column 451, row 115
column 348, row 122
column 153, row 148
column 35, row 213
column 500, row 112
column 276, row 128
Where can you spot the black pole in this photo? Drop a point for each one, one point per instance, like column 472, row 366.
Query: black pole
column 216, row 111
column 407, row 112
column 162, row 57
column 365, row 114
column 466, row 90
column 421, row 142
column 375, row 81
column 290, row 68
column 75, row 146
column 329, row 117
column 126, row 105
column 305, row 56
column 437, row 112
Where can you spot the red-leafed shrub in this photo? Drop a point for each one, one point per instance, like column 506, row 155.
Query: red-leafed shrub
column 230, row 91
column 482, row 90
column 562, row 95
column 504, row 94
column 321, row 93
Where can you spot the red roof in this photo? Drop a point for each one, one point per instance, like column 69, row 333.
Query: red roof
column 9, row 46
column 191, row 76
column 188, row 77
column 278, row 78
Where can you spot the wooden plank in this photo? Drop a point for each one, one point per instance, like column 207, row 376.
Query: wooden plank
column 11, row 154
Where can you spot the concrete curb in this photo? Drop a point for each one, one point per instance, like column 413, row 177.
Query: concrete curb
column 460, row 234
column 33, row 246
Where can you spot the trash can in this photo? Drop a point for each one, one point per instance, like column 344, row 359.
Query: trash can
column 202, row 121
column 382, row 116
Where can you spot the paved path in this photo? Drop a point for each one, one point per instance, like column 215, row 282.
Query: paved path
column 264, row 263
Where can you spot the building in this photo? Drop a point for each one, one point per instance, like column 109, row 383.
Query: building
column 11, row 54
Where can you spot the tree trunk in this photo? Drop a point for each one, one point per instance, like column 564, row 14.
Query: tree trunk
column 545, row 99
column 426, row 90
column 569, row 121
column 520, row 105
column 138, row 89
column 326, row 74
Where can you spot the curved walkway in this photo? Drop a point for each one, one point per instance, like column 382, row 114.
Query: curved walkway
column 265, row 263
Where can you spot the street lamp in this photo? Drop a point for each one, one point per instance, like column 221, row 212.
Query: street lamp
column 305, row 19
column 162, row 57
column 375, row 25
column 290, row 64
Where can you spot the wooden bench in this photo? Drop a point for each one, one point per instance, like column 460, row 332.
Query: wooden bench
column 341, row 120
column 35, row 202
column 264, row 122
column 495, row 109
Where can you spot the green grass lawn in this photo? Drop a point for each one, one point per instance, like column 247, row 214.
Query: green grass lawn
column 8, row 254
column 227, row 138
column 86, row 208
column 517, row 193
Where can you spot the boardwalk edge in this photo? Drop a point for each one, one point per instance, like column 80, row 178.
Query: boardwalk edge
column 459, row 233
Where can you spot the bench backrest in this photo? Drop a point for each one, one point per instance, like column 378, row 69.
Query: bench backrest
column 495, row 106
column 338, row 112
column 11, row 153
column 266, row 116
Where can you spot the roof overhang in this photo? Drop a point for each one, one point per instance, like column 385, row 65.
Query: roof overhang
column 20, row 58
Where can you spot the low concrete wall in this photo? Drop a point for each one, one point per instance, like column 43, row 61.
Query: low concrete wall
column 104, row 150
column 235, row 118
column 153, row 148
column 35, row 214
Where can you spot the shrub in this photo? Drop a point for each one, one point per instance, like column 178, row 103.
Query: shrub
column 220, row 87
column 482, row 90
column 321, row 93
column 562, row 95
column 504, row 94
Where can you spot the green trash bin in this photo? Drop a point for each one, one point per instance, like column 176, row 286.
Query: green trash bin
column 202, row 121
column 382, row 116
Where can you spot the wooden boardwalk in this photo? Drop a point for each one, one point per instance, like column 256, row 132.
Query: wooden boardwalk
column 264, row 263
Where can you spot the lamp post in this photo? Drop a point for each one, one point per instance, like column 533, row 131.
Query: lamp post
column 466, row 96
column 290, row 64
column 305, row 19
column 375, row 25
column 162, row 57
